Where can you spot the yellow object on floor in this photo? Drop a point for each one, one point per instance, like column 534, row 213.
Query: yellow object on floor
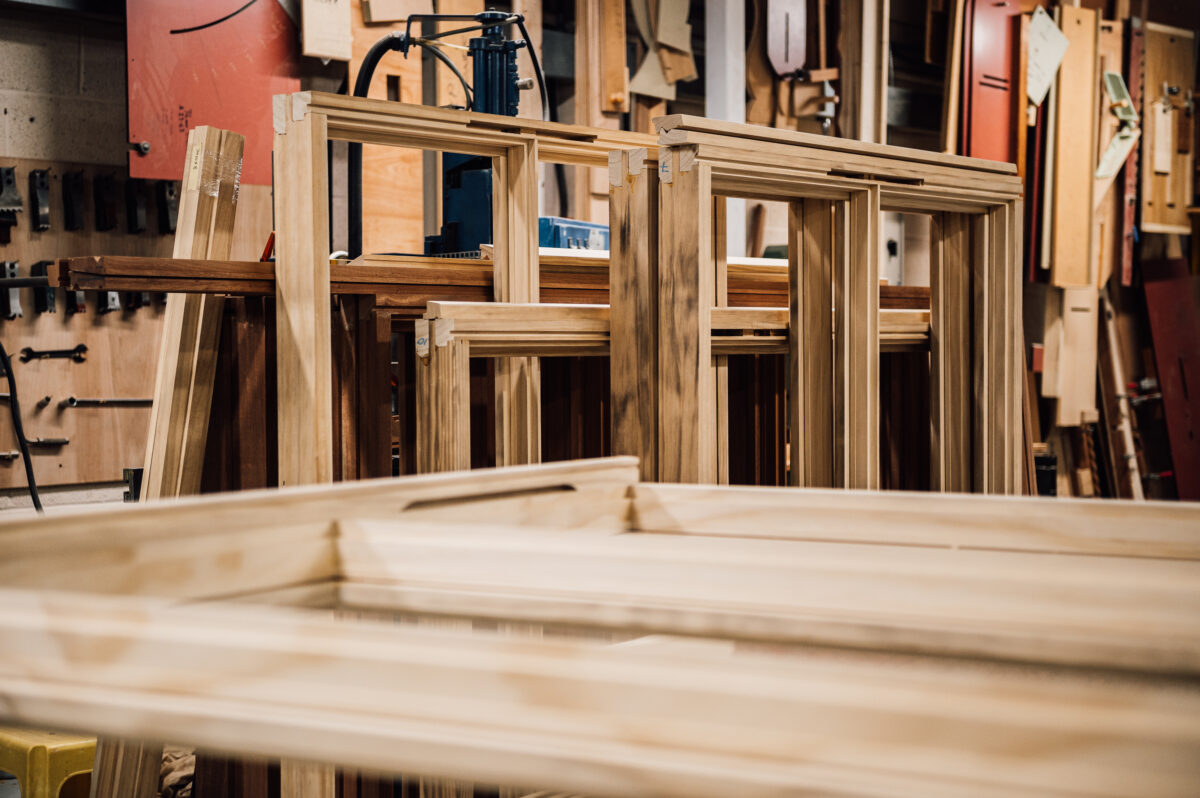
column 43, row 761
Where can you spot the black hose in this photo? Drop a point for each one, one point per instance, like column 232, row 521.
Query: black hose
column 537, row 68
column 354, row 153
column 14, row 408
column 362, row 84
column 560, row 171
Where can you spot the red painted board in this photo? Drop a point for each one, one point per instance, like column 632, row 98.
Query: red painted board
column 222, row 75
column 991, row 79
column 1175, row 331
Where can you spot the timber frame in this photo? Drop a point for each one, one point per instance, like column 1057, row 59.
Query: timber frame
column 304, row 123
column 453, row 332
column 836, row 642
column 670, row 277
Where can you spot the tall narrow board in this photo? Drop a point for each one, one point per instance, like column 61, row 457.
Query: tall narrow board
column 1170, row 59
column 1074, row 155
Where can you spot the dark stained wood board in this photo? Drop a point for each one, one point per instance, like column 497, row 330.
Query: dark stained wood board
column 1175, row 328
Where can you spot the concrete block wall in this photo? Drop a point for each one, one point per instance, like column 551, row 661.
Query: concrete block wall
column 62, row 93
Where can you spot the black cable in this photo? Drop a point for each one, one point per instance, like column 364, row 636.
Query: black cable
column 362, row 84
column 230, row 15
column 441, row 56
column 537, row 68
column 560, row 171
column 14, row 408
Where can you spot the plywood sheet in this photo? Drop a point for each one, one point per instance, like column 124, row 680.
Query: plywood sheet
column 1074, row 157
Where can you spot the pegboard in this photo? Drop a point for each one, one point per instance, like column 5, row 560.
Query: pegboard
column 122, row 345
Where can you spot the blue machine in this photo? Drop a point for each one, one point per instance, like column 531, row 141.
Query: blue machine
column 467, row 179
column 555, row 231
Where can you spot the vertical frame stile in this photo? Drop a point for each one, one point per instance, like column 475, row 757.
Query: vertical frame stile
column 633, row 296
column 303, row 345
column 949, row 352
column 797, row 388
column 983, row 392
column 720, row 260
column 1015, row 380
column 514, row 225
column 817, row 249
column 839, row 268
column 687, row 434
column 423, row 372
column 858, row 327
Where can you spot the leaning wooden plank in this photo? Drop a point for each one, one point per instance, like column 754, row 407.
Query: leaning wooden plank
column 211, row 308
column 305, row 390
column 1161, row 530
column 183, row 387
column 366, row 694
column 1078, row 610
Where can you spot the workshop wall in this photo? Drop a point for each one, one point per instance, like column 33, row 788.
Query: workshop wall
column 62, row 93
column 62, row 109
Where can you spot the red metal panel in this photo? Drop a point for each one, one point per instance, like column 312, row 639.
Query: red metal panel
column 223, row 75
column 991, row 72
column 1175, row 330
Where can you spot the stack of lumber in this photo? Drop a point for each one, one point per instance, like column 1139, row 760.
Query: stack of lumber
column 748, row 641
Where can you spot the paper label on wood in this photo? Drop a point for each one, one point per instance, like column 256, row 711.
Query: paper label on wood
column 193, row 170
column 1047, row 46
column 1164, row 133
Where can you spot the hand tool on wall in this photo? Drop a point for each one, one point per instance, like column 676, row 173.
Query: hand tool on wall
column 73, row 401
column 78, row 354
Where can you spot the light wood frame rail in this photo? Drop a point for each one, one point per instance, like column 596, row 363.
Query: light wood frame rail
column 847, row 642
column 453, row 332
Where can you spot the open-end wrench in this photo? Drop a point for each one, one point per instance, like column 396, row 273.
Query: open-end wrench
column 76, row 354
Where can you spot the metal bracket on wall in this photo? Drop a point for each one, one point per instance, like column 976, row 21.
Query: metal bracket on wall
column 72, row 191
column 39, row 199
column 10, row 202
column 10, row 298
column 43, row 298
